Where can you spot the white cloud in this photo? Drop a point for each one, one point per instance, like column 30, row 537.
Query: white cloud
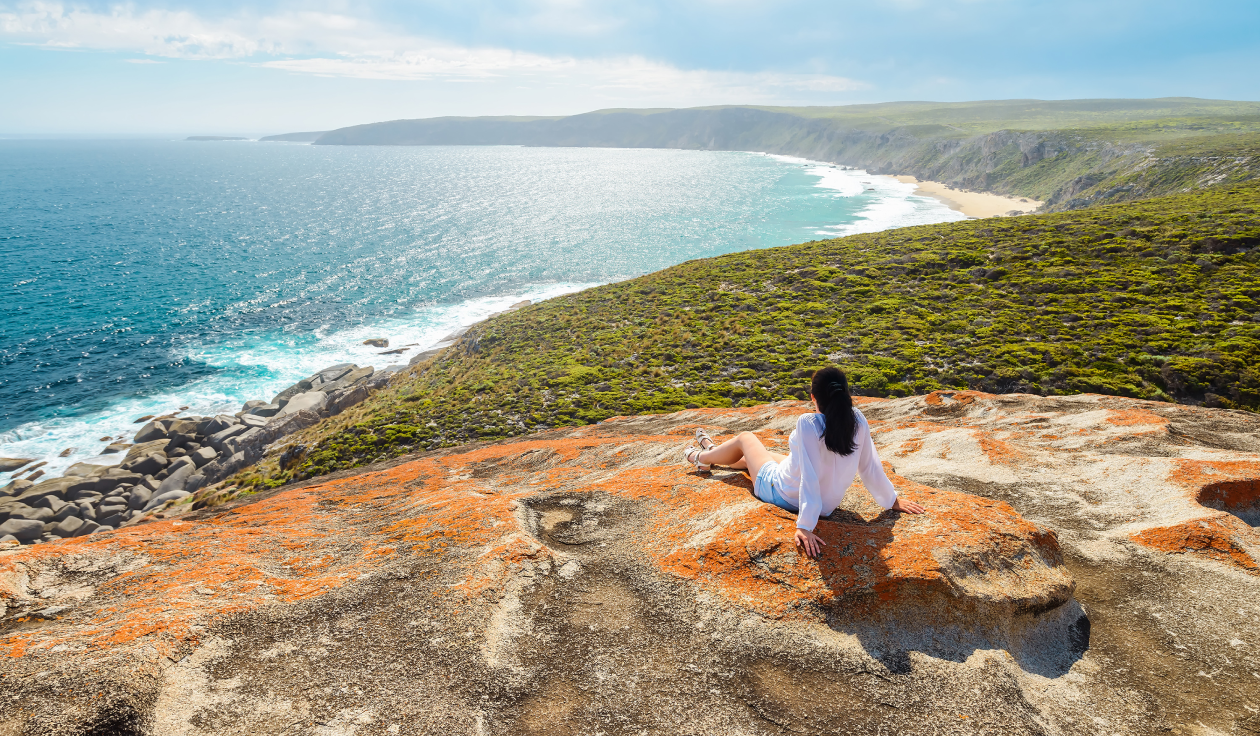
column 335, row 45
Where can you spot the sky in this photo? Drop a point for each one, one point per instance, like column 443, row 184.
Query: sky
column 222, row 68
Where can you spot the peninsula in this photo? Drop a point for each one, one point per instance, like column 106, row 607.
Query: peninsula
column 1064, row 154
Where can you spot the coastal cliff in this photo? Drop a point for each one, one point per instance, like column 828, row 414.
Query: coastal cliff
column 1069, row 154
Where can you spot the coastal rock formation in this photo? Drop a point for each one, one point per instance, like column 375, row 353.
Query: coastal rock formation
column 581, row 580
column 172, row 458
column 9, row 464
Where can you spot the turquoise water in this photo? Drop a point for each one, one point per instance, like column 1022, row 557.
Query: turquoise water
column 147, row 276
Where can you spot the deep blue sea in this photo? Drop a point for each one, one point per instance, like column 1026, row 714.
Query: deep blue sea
column 152, row 275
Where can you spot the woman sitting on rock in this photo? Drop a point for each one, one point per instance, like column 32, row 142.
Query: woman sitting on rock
column 825, row 451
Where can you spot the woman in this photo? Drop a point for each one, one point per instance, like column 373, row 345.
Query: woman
column 825, row 451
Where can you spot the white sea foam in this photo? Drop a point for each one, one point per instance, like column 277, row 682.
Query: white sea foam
column 253, row 367
column 889, row 203
column 894, row 204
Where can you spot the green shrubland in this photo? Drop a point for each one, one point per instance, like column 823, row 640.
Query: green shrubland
column 1154, row 299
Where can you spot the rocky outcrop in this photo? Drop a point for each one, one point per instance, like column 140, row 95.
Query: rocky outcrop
column 585, row 576
column 172, row 458
column 9, row 464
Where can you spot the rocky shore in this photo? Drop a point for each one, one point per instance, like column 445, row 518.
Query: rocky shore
column 172, row 457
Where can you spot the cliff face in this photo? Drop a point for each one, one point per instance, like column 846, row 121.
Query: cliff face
column 1068, row 168
column 1076, row 552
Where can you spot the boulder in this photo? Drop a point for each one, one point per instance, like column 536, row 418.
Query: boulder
column 150, row 432
column 22, row 529
column 195, row 482
column 68, row 527
column 376, row 342
column 214, row 425
column 139, row 498
column 334, row 372
column 52, row 503
column 111, row 521
column 348, row 380
column 42, row 514
column 111, row 508
column 186, row 426
column 217, row 439
column 160, row 499
column 150, row 464
column 116, row 447
column 87, row 527
column 178, row 440
column 85, row 469
column 66, row 511
column 346, row 398
column 283, row 397
column 36, row 475
column 179, row 472
column 310, row 401
column 15, row 487
column 250, row 442
column 10, row 464
column 87, row 510
column 145, row 448
column 251, row 405
column 253, row 420
column 266, row 410
column 203, row 456
column 117, row 477
column 55, row 487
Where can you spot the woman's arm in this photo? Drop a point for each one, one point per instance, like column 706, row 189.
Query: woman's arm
column 874, row 478
column 807, row 441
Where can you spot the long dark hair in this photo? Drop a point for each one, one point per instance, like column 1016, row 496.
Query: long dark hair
column 831, row 388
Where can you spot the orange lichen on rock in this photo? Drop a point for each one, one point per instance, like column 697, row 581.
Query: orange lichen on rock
column 953, row 400
column 1135, row 417
column 999, row 452
column 873, row 557
column 475, row 510
column 1222, row 488
column 1223, row 538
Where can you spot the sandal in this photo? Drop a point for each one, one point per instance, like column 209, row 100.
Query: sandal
column 692, row 456
column 703, row 436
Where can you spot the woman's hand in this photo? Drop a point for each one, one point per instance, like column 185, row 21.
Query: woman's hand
column 910, row 507
column 809, row 542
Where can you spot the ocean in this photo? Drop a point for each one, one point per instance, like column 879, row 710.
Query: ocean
column 146, row 276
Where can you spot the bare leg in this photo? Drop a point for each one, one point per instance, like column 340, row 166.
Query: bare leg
column 742, row 464
column 743, row 447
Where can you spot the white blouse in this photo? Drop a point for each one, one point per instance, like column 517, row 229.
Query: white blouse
column 816, row 479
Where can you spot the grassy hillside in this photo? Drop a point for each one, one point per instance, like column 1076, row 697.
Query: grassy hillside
column 1068, row 153
column 1154, row 299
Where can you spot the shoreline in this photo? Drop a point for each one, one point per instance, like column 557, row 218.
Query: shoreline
column 977, row 205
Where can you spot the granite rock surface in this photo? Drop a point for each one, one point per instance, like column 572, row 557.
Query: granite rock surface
column 1087, row 565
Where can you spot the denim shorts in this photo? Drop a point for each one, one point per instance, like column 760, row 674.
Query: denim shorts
column 766, row 487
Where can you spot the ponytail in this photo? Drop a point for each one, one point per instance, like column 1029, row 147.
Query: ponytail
column 831, row 388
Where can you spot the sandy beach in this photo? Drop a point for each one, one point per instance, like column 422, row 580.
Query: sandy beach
column 972, row 204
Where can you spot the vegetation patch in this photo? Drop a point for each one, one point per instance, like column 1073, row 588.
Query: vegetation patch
column 1154, row 299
